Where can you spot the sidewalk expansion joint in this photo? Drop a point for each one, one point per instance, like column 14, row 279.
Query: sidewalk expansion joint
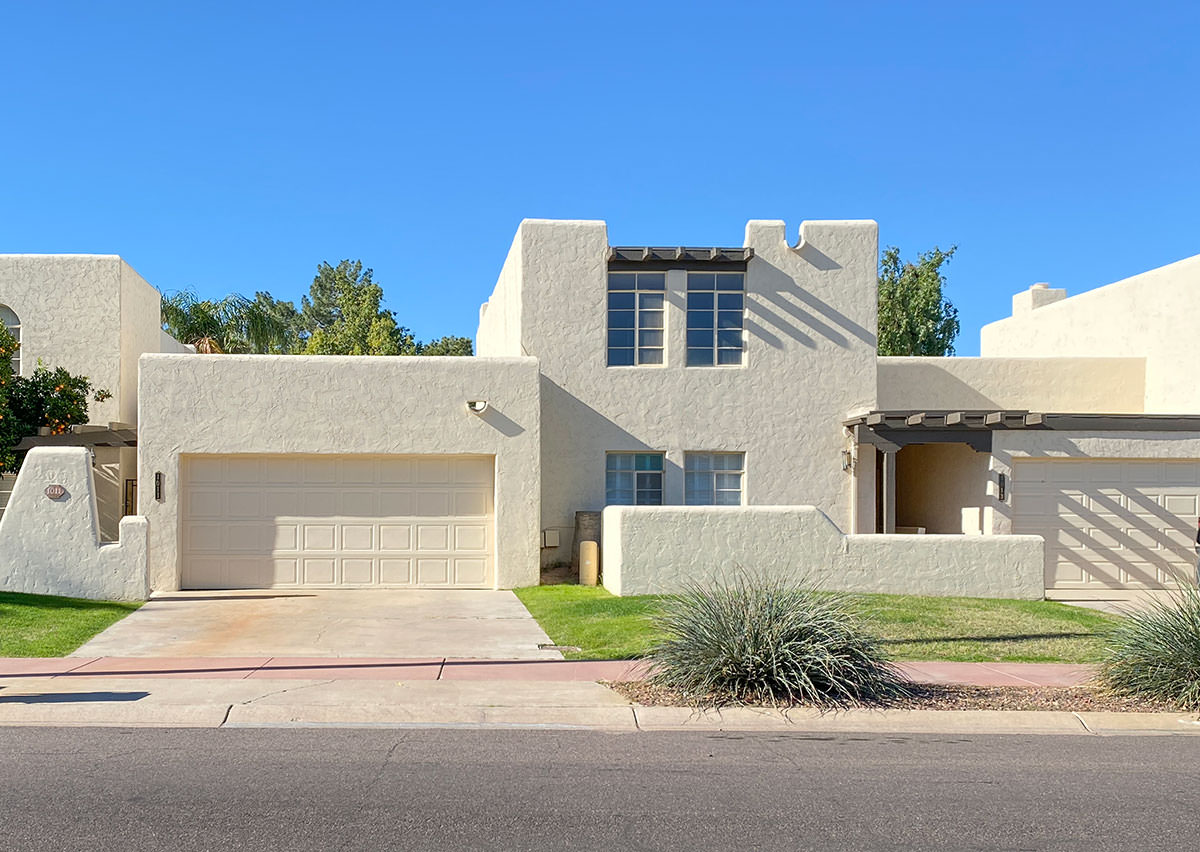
column 225, row 718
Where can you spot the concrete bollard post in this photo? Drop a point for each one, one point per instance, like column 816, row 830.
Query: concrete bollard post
column 589, row 563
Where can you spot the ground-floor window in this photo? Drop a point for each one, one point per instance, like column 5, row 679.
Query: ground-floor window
column 713, row 479
column 634, row 479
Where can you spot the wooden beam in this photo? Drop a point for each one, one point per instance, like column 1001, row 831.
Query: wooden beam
column 915, row 419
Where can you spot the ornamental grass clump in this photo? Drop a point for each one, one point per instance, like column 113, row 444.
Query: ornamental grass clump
column 1155, row 653
column 769, row 641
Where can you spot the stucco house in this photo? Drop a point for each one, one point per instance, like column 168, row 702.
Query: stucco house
column 723, row 407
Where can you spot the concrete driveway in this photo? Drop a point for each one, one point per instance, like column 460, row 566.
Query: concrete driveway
column 393, row 623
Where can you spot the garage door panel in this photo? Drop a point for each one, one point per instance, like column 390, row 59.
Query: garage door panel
column 470, row 503
column 206, row 504
column 339, row 521
column 207, row 574
column 432, row 504
column 319, row 503
column 433, row 572
column 285, row 572
column 1131, row 525
column 473, row 472
column 319, row 537
column 433, row 471
column 242, row 471
column 469, row 572
column 277, row 504
column 396, row 504
column 434, row 537
column 358, row 572
column 320, row 572
column 394, row 471
column 395, row 572
column 470, row 537
column 319, row 471
column 1181, row 504
column 395, row 537
column 360, row 503
column 285, row 471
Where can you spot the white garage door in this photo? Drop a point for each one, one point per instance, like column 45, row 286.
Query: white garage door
column 337, row 521
column 1111, row 524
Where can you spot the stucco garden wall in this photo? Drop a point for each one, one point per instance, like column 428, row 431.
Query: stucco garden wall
column 193, row 404
column 1077, row 385
column 809, row 361
column 659, row 550
column 52, row 546
column 1151, row 316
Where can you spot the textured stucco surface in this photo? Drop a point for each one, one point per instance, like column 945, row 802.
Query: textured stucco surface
column 70, row 311
column 52, row 547
column 1151, row 316
column 809, row 361
column 657, row 550
column 1078, row 385
column 95, row 316
column 259, row 404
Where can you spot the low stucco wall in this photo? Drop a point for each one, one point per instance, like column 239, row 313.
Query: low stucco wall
column 659, row 550
column 342, row 405
column 53, row 547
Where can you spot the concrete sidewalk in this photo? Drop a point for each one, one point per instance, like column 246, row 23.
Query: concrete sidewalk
column 132, row 701
column 441, row 668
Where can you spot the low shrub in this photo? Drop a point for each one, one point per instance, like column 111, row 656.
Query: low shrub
column 751, row 640
column 1155, row 653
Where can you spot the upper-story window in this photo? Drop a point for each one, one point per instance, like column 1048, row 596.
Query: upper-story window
column 635, row 318
column 713, row 479
column 634, row 479
column 715, row 303
column 13, row 323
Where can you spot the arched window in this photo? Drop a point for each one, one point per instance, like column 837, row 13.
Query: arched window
column 13, row 323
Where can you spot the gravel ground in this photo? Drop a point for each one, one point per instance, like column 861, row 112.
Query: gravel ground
column 944, row 697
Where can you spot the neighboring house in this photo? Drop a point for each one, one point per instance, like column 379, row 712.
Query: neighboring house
column 725, row 408
column 95, row 316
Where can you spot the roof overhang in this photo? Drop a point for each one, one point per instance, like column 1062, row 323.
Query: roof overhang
column 112, row 435
column 654, row 258
column 891, row 430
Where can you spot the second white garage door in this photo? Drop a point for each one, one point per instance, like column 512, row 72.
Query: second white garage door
column 1110, row 524
column 337, row 521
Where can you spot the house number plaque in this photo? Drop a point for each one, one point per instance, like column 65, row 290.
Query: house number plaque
column 55, row 492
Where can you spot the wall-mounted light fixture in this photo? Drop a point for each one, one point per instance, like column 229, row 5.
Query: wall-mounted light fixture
column 477, row 406
column 1002, row 487
column 158, row 487
column 847, row 460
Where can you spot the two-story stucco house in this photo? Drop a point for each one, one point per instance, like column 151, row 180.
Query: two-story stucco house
column 723, row 406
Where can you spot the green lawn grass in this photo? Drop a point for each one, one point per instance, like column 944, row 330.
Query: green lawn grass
column 44, row 626
column 912, row 628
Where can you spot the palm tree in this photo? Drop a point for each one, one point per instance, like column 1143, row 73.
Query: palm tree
column 234, row 324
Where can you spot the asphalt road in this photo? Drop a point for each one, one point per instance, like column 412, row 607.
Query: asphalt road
column 326, row 789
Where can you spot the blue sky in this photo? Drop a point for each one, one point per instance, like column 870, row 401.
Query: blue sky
column 233, row 146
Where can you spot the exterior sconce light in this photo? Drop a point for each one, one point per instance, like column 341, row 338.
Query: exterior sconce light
column 477, row 406
column 158, row 487
column 847, row 460
column 1002, row 486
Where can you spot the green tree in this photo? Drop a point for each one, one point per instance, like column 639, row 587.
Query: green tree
column 344, row 315
column 234, row 324
column 50, row 398
column 448, row 345
column 915, row 317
